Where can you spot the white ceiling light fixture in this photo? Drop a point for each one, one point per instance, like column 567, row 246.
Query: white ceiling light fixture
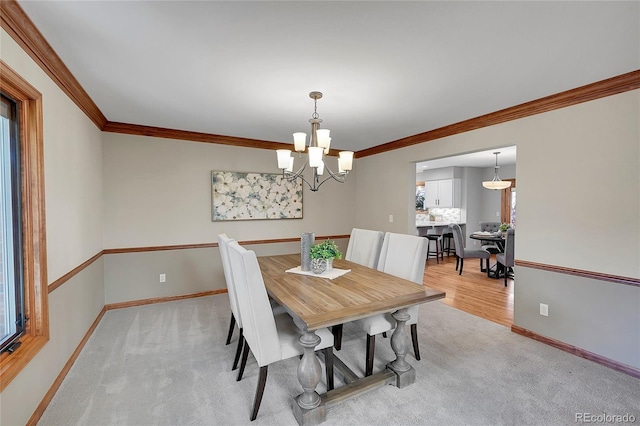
column 319, row 144
column 496, row 182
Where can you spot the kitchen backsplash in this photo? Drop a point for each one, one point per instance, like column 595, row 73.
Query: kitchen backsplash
column 442, row 215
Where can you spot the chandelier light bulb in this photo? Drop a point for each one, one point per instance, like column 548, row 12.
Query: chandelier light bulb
column 346, row 160
column 283, row 158
column 315, row 156
column 300, row 141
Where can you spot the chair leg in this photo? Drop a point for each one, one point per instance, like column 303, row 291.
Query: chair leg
column 457, row 262
column 461, row 265
column 328, row 363
column 337, row 336
column 506, row 273
column 232, row 324
column 238, row 350
column 371, row 348
column 245, row 355
column 262, row 380
column 489, row 268
column 414, row 339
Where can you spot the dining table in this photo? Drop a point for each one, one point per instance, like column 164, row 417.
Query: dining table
column 316, row 302
column 497, row 240
column 491, row 237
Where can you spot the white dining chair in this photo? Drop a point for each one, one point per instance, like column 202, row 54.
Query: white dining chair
column 404, row 256
column 269, row 338
column 223, row 243
column 364, row 249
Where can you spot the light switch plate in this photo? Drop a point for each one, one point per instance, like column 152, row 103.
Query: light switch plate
column 544, row 310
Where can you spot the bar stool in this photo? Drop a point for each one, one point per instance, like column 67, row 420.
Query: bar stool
column 446, row 243
column 438, row 240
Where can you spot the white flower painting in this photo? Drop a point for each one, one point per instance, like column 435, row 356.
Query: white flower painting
column 246, row 196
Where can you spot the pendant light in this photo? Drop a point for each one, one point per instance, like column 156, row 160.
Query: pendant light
column 496, row 182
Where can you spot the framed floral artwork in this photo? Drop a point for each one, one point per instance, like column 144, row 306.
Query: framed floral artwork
column 248, row 196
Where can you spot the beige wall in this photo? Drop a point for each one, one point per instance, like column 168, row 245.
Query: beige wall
column 73, row 188
column 578, row 174
column 157, row 192
column 573, row 164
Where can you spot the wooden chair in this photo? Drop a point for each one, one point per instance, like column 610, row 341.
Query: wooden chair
column 269, row 338
column 437, row 238
column 403, row 256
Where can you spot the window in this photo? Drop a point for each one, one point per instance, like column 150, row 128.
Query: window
column 11, row 284
column 23, row 243
column 508, row 204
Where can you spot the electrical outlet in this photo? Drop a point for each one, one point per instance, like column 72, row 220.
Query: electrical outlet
column 163, row 278
column 497, row 214
column 544, row 310
column 390, row 218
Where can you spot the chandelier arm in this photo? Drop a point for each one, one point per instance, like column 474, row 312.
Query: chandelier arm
column 324, row 180
column 340, row 177
column 311, row 187
column 292, row 176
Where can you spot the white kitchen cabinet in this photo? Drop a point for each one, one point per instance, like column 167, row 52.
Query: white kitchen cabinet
column 442, row 193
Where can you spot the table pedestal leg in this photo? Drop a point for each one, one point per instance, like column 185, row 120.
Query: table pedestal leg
column 307, row 407
column 400, row 345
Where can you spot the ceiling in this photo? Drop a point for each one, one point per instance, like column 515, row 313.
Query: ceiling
column 388, row 69
column 506, row 157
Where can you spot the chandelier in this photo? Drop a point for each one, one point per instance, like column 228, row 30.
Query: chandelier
column 319, row 143
column 496, row 182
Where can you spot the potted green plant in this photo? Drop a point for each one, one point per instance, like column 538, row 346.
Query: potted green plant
column 504, row 227
column 322, row 255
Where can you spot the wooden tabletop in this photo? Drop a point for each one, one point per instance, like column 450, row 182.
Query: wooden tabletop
column 320, row 302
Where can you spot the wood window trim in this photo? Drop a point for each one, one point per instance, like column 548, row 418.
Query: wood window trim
column 33, row 228
column 505, row 202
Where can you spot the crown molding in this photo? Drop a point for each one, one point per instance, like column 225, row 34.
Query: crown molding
column 600, row 89
column 17, row 24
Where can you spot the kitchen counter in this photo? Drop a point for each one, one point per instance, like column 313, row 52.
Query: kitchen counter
column 428, row 223
column 439, row 227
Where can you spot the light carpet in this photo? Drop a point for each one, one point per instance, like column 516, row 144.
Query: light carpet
column 167, row 364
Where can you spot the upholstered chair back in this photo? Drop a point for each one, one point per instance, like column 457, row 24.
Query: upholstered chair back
column 364, row 247
column 259, row 326
column 404, row 256
column 490, row 226
column 509, row 247
column 457, row 239
column 223, row 245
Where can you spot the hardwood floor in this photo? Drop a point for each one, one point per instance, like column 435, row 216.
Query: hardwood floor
column 473, row 291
